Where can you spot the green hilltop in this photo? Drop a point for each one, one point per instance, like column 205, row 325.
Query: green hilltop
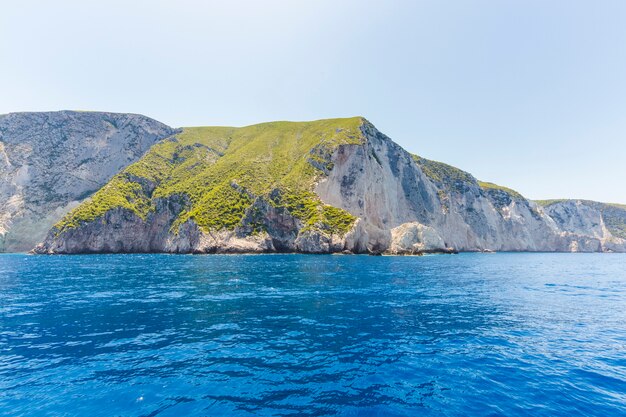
column 491, row 186
column 220, row 171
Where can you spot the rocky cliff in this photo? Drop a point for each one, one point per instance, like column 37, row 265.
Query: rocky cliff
column 317, row 187
column 589, row 225
column 51, row 162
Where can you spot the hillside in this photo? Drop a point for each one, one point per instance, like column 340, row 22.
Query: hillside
column 317, row 187
column 600, row 219
column 52, row 161
column 222, row 181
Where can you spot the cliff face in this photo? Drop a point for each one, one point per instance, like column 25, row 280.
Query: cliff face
column 317, row 187
column 408, row 204
column 589, row 225
column 50, row 162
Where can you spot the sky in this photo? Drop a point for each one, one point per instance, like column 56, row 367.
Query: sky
column 527, row 94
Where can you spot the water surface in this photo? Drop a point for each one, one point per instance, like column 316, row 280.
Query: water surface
column 297, row 335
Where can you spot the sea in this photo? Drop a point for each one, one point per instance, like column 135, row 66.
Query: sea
column 505, row 334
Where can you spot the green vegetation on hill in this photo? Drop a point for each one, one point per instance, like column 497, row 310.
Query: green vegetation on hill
column 119, row 192
column 454, row 178
column 444, row 174
column 491, row 186
column 616, row 225
column 619, row 206
column 222, row 170
column 547, row 203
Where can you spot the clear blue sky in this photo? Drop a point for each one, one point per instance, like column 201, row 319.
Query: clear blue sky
column 527, row 94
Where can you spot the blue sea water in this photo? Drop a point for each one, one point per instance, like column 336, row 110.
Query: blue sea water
column 295, row 335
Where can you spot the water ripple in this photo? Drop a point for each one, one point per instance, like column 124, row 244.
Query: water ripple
column 290, row 335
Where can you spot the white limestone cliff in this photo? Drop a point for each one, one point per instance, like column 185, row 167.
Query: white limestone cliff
column 404, row 210
column 50, row 162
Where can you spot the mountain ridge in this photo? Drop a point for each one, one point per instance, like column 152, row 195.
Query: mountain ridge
column 321, row 187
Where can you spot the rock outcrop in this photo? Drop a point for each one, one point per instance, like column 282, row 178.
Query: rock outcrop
column 318, row 187
column 50, row 162
column 589, row 226
column 409, row 204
